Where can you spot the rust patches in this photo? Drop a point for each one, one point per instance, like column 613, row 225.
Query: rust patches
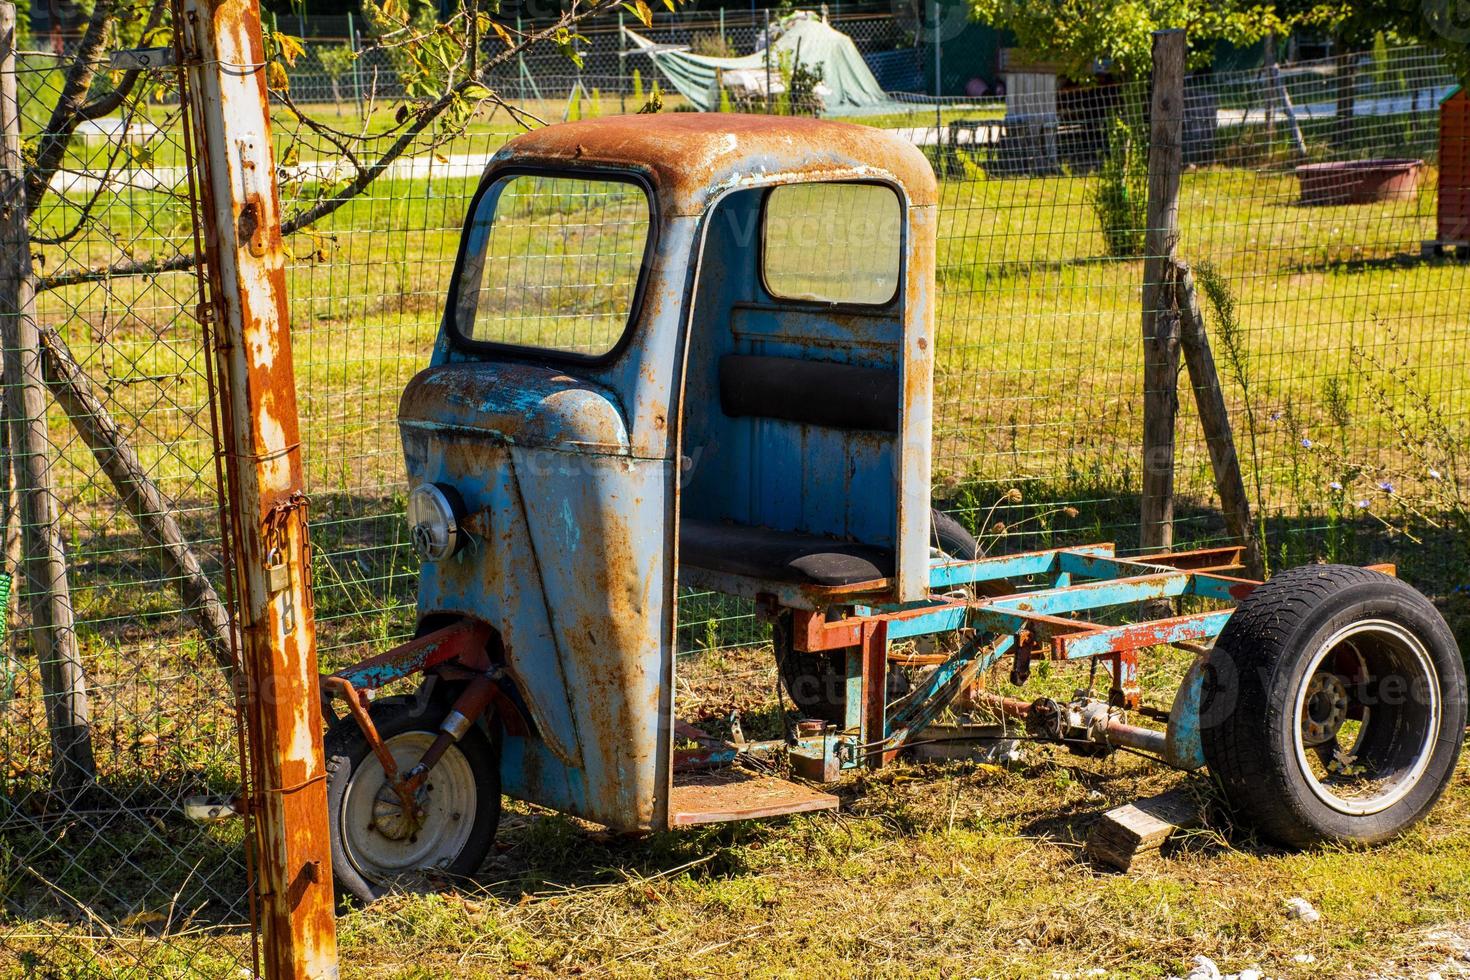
column 222, row 47
column 691, row 157
column 875, row 688
column 1242, row 589
column 464, row 642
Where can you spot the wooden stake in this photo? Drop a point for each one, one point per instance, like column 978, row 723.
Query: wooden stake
column 53, row 631
column 1160, row 318
column 144, row 500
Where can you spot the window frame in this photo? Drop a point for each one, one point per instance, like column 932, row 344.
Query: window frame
column 828, row 304
column 550, row 354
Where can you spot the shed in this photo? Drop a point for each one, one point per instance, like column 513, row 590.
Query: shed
column 1454, row 171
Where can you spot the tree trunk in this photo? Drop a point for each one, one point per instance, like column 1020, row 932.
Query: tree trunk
column 53, row 628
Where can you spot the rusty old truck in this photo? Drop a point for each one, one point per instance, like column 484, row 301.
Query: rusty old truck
column 697, row 351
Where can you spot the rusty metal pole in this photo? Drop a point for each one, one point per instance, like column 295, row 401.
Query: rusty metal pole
column 225, row 69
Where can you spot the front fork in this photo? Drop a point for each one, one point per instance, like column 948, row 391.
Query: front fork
column 459, row 650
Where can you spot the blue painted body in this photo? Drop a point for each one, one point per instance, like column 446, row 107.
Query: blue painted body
column 571, row 470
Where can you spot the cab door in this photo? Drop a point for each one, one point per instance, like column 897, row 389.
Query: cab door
column 541, row 409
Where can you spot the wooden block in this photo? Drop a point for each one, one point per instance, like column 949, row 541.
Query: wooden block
column 1127, row 834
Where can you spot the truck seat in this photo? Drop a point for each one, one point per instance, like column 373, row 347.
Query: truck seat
column 780, row 556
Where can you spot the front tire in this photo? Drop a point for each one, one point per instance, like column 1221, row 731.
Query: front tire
column 372, row 843
column 1333, row 707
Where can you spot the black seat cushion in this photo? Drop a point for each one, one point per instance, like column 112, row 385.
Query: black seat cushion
column 780, row 556
column 821, row 393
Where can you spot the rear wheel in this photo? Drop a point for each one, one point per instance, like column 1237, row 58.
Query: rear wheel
column 817, row 682
column 373, row 841
column 1333, row 707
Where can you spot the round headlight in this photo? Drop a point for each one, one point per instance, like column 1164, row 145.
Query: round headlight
column 434, row 513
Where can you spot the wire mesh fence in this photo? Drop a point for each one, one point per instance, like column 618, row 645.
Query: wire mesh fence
column 352, row 69
column 1346, row 332
column 116, row 704
column 1336, row 314
column 1341, row 338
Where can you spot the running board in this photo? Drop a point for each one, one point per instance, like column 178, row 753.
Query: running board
column 732, row 794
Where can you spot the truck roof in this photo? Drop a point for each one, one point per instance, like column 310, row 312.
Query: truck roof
column 693, row 157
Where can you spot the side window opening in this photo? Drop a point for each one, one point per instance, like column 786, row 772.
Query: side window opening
column 553, row 263
column 832, row 243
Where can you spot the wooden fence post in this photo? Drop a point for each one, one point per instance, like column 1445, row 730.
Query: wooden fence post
column 1160, row 313
column 52, row 620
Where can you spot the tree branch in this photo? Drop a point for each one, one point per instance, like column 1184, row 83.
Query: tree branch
column 71, row 109
column 406, row 135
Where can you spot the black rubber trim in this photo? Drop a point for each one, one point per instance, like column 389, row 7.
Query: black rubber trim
column 821, row 393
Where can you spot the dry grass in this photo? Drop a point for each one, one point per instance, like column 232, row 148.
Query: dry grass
column 961, row 869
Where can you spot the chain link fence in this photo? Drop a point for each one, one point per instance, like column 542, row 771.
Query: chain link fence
column 116, row 702
column 1340, row 336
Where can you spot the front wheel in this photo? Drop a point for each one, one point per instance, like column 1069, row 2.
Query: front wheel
column 373, row 840
column 1333, row 707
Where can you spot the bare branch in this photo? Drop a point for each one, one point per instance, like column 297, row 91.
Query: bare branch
column 405, row 137
column 104, row 185
column 71, row 108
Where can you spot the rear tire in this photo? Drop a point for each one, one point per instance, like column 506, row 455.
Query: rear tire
column 950, row 537
column 1333, row 707
column 370, row 846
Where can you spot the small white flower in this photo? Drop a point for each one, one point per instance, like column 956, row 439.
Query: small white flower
column 1434, row 474
column 1334, row 485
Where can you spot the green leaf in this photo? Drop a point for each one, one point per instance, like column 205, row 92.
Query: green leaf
column 641, row 10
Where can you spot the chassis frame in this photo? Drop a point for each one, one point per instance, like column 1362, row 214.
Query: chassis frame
column 1053, row 619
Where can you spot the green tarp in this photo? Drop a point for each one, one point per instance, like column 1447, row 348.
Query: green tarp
column 847, row 84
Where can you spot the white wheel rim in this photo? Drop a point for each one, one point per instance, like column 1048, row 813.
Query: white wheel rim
column 448, row 800
column 1411, row 657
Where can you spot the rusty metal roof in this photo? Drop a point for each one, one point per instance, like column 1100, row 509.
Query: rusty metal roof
column 693, row 157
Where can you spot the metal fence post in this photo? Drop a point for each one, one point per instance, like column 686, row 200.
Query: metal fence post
column 1160, row 315
column 240, row 210
column 53, row 633
column 768, row 62
column 938, row 86
column 356, row 46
